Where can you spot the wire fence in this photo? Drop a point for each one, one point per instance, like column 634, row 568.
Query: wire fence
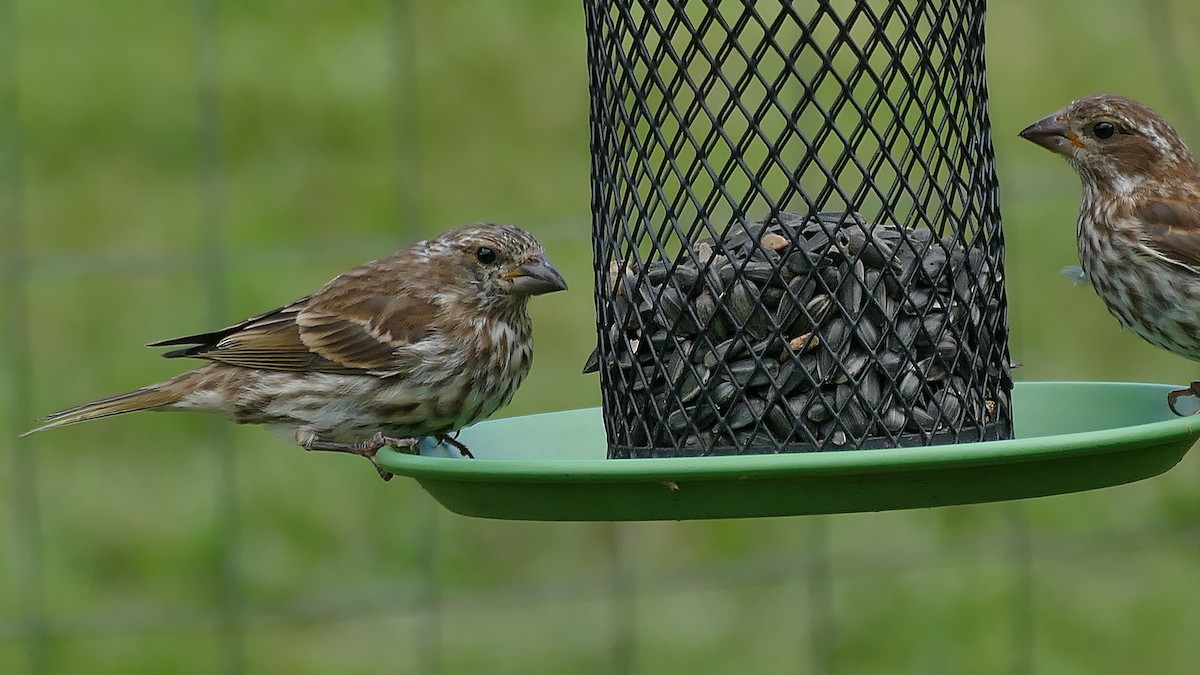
column 31, row 626
column 809, row 563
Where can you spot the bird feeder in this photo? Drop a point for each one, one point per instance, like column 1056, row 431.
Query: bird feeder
column 799, row 284
column 796, row 229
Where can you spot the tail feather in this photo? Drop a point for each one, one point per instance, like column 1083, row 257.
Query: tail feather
column 146, row 398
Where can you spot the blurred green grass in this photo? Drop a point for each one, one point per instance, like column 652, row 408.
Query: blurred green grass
column 322, row 168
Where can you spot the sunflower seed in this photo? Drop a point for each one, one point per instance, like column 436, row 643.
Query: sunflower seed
column 871, row 389
column 672, row 303
column 947, row 347
column 660, row 339
column 906, row 331
column 854, row 419
column 850, row 294
column 904, row 350
column 818, row 412
column 836, row 335
column 749, row 374
column 657, row 273
column 817, row 309
column 891, row 362
column 934, row 369
column 854, row 363
column 676, row 366
column 933, row 265
column 691, row 383
column 951, row 407
column 678, row 420
column 758, row 324
column 724, row 352
column 801, row 344
column 894, row 420
column 771, row 295
column 777, row 421
column 909, row 386
column 794, row 378
column 624, row 358
column 741, row 415
column 775, row 242
column 759, row 273
column 932, row 326
column 641, row 381
column 868, row 334
column 705, row 309
column 831, row 277
column 800, row 261
column 724, row 393
column 592, row 365
column 739, row 304
column 700, row 416
column 789, row 314
column 915, row 301
column 922, row 420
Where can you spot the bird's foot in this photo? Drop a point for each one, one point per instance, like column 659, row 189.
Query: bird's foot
column 366, row 448
column 462, row 449
column 1192, row 389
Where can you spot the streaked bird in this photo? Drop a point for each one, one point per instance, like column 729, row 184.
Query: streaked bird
column 1139, row 220
column 423, row 342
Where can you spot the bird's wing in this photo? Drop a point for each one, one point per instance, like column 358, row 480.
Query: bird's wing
column 359, row 323
column 270, row 341
column 370, row 332
column 369, row 335
column 212, row 337
column 1171, row 230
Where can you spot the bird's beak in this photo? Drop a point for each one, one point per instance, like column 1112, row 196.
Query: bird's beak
column 535, row 278
column 1052, row 134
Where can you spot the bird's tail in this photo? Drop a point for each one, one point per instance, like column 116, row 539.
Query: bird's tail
column 146, row 398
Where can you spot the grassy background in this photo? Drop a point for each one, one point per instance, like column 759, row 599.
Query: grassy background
column 340, row 140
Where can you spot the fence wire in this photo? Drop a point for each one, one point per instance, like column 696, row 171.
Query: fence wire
column 427, row 597
column 29, row 563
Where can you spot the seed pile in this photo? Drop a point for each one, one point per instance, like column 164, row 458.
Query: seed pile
column 835, row 333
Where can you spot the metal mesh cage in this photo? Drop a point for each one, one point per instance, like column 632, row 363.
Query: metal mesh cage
column 796, row 230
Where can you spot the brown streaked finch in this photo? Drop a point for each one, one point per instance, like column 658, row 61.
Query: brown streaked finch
column 423, row 342
column 1139, row 220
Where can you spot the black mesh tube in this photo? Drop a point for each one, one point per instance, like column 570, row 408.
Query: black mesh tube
column 795, row 222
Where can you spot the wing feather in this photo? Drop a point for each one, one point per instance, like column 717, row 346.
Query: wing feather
column 1171, row 230
column 339, row 332
column 376, row 334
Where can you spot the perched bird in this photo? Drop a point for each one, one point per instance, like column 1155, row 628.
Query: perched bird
column 423, row 342
column 1139, row 220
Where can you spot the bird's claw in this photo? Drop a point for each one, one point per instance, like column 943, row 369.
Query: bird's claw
column 371, row 446
column 368, row 448
column 1192, row 389
column 458, row 445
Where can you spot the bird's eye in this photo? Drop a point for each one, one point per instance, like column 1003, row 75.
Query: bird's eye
column 1104, row 130
column 485, row 255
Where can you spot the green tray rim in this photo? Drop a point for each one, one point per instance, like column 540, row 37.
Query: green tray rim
column 831, row 463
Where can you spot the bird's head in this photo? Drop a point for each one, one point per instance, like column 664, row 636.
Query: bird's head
column 500, row 266
column 1114, row 142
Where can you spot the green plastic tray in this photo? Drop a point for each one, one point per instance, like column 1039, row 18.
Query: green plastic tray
column 1071, row 436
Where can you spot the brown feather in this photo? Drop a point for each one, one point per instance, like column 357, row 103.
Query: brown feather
column 1172, row 229
column 423, row 342
column 147, row 398
column 282, row 314
column 348, row 327
column 370, row 335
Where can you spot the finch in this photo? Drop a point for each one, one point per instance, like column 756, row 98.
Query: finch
column 1139, row 220
column 423, row 342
